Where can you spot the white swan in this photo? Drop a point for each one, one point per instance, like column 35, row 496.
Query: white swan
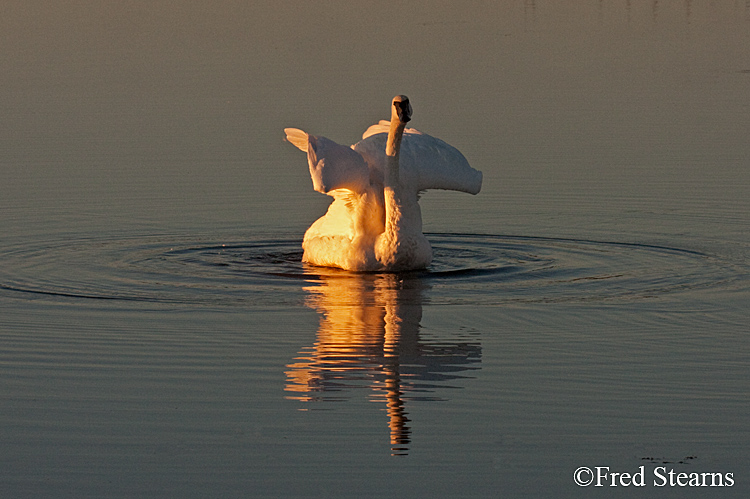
column 374, row 222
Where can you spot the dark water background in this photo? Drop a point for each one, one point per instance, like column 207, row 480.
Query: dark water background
column 159, row 336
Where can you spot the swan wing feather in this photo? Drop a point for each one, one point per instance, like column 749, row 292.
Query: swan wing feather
column 332, row 166
column 297, row 137
column 425, row 162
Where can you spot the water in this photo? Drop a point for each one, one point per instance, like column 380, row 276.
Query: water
column 160, row 336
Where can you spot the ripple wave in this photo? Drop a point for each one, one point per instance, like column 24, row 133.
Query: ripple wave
column 467, row 269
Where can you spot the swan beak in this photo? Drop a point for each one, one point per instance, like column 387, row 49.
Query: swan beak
column 403, row 108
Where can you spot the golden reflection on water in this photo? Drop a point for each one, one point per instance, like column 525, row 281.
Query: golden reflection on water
column 369, row 337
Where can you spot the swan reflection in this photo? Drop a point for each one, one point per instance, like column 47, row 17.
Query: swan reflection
column 369, row 337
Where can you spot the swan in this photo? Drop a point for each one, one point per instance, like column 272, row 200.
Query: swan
column 374, row 222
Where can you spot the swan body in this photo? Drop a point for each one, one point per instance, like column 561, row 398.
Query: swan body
column 374, row 222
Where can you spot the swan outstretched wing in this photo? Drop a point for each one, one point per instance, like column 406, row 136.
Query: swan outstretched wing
column 332, row 166
column 425, row 161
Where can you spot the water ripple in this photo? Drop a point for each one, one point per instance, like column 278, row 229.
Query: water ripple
column 467, row 269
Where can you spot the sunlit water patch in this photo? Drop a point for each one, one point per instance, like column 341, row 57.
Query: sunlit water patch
column 267, row 271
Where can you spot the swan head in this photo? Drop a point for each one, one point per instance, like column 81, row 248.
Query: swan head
column 401, row 109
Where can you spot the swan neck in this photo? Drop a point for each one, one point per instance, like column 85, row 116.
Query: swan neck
column 392, row 152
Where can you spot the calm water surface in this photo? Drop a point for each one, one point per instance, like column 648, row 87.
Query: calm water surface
column 160, row 336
